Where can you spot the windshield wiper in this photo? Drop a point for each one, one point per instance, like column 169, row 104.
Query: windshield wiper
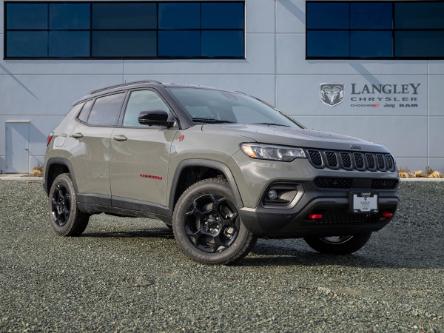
column 271, row 124
column 212, row 121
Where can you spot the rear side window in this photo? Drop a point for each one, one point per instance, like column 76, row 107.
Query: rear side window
column 105, row 111
column 83, row 116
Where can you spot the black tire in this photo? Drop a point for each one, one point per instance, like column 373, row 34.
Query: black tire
column 347, row 245
column 214, row 236
column 65, row 217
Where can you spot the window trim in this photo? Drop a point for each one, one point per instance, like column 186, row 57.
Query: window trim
column 393, row 30
column 91, row 57
column 94, row 99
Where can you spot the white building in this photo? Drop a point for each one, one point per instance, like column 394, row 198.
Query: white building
column 370, row 70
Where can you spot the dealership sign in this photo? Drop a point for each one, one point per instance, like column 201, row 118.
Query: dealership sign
column 380, row 95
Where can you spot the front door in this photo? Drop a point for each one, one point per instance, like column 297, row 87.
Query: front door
column 140, row 153
column 17, row 147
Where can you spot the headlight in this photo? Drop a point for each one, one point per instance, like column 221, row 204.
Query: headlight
column 270, row 152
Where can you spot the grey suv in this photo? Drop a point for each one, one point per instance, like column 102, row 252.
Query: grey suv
column 220, row 168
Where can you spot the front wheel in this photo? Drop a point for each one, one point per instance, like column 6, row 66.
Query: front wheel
column 338, row 244
column 207, row 226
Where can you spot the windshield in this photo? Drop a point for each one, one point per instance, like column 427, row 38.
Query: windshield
column 216, row 106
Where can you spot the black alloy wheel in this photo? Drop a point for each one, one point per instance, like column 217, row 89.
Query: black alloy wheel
column 61, row 205
column 207, row 225
column 65, row 217
column 212, row 223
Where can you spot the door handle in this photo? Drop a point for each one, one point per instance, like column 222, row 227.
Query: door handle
column 77, row 135
column 120, row 138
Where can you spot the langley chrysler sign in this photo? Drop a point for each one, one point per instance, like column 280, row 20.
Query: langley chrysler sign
column 381, row 95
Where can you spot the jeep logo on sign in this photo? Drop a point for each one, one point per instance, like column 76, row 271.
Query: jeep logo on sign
column 332, row 94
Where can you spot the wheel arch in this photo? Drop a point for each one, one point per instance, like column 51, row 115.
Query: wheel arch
column 202, row 163
column 55, row 166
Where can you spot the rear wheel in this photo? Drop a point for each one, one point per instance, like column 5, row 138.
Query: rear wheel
column 338, row 244
column 65, row 217
column 207, row 226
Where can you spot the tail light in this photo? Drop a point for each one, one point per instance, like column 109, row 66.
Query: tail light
column 49, row 138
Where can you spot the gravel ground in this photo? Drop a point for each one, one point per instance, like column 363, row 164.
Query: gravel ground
column 128, row 275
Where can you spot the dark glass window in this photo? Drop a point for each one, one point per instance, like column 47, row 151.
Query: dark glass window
column 371, row 16
column 139, row 101
column 27, row 16
column 145, row 29
column 78, row 45
column 83, row 116
column 176, row 15
column 105, row 110
column 124, row 15
column 328, row 43
column 179, row 43
column 27, row 43
column 419, row 15
column 222, row 15
column 324, row 15
column 67, row 16
column 375, row 30
column 123, row 43
column 420, row 44
column 371, row 44
column 222, row 43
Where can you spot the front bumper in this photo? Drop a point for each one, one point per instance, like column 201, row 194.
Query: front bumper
column 277, row 223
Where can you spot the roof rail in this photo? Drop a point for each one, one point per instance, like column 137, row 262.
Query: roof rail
column 126, row 84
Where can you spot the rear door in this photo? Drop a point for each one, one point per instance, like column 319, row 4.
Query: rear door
column 91, row 151
column 140, row 154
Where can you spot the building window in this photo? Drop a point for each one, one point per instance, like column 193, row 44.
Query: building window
column 375, row 30
column 125, row 30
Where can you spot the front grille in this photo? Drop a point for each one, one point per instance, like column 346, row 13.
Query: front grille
column 331, row 159
column 340, row 216
column 315, row 158
column 371, row 164
column 346, row 161
column 359, row 161
column 351, row 160
column 361, row 183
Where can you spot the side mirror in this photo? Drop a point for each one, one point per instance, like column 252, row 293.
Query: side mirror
column 155, row 118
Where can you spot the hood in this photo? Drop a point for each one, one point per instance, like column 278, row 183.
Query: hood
column 299, row 137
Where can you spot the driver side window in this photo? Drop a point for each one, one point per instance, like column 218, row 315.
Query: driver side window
column 139, row 101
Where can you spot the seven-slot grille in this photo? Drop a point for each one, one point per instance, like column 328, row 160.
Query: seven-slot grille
column 351, row 160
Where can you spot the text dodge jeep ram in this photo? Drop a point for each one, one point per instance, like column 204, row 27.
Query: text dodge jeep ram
column 221, row 168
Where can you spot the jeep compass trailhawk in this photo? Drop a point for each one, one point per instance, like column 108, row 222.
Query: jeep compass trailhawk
column 220, row 168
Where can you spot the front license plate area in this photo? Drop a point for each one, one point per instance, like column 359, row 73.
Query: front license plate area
column 364, row 203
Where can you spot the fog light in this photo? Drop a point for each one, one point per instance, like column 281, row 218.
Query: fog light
column 272, row 195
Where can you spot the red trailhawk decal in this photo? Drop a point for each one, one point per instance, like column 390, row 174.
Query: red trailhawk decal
column 146, row 175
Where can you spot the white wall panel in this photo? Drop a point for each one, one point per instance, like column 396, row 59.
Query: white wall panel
column 47, row 94
column 260, row 16
column 290, row 16
column 291, row 60
column 300, row 95
column 436, row 136
column 437, row 163
column 436, row 91
column 258, row 85
column 260, row 59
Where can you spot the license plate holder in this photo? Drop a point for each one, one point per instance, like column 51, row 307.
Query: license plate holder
column 364, row 202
